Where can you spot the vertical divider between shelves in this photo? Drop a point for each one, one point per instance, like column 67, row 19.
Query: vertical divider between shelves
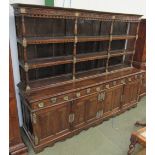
column 135, row 43
column 25, row 52
column 110, row 40
column 126, row 41
column 74, row 50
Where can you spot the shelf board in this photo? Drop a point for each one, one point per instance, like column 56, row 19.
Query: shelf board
column 46, row 40
column 117, row 67
column 91, row 56
column 115, row 53
column 65, row 39
column 52, row 81
column 46, row 62
column 91, row 72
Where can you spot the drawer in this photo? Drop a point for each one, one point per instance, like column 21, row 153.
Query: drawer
column 88, row 91
column 113, row 84
column 134, row 77
column 52, row 101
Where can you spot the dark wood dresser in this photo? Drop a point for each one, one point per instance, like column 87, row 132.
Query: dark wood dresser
column 16, row 146
column 76, row 69
column 140, row 53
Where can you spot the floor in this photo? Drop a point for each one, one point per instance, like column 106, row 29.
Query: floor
column 110, row 138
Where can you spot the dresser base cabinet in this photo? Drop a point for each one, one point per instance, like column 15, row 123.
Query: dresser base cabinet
column 58, row 117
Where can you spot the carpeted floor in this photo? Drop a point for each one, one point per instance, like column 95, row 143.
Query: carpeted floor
column 112, row 137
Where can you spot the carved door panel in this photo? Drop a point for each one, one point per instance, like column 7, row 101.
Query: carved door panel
column 91, row 108
column 85, row 110
column 131, row 93
column 52, row 122
column 79, row 110
column 112, row 101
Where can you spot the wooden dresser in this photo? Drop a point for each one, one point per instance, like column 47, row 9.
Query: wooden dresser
column 76, row 69
column 16, row 146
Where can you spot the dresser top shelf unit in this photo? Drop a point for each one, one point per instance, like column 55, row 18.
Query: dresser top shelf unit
column 63, row 45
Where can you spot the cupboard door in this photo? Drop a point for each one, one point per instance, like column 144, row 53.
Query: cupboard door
column 85, row 110
column 53, row 122
column 131, row 93
column 112, row 101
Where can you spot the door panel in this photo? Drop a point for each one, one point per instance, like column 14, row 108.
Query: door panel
column 85, row 110
column 53, row 122
column 112, row 100
column 131, row 93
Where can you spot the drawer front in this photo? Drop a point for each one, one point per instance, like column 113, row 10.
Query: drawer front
column 52, row 101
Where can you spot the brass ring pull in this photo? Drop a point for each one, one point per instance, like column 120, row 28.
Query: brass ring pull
column 66, row 98
column 53, row 100
column 41, row 104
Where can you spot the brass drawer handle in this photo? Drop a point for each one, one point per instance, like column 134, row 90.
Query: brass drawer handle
column 88, row 90
column 66, row 98
column 98, row 89
column 78, row 94
column 53, row 100
column 41, row 104
column 107, row 86
column 129, row 79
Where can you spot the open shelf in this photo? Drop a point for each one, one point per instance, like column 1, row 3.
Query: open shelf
column 57, row 49
column 91, row 72
column 65, row 39
column 38, row 63
column 51, row 81
column 91, row 56
column 117, row 67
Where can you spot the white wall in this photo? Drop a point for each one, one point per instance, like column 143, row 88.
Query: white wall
column 122, row 6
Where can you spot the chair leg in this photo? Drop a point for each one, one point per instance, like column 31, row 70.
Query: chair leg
column 133, row 142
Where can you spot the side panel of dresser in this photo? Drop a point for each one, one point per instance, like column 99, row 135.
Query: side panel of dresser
column 16, row 146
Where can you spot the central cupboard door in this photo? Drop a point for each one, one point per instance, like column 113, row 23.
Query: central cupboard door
column 52, row 122
column 85, row 110
column 112, row 101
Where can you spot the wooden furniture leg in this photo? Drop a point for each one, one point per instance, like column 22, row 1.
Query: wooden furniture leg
column 132, row 145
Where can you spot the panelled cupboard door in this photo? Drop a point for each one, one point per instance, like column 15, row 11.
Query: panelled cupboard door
column 85, row 110
column 112, row 101
column 131, row 93
column 52, row 122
